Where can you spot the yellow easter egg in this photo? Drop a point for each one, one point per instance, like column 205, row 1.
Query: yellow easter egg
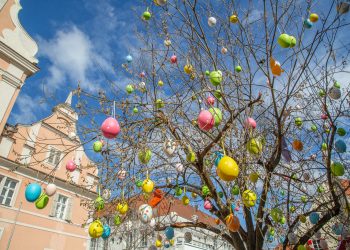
column 188, row 69
column 159, row 243
column 227, row 169
column 234, row 18
column 96, row 229
column 122, row 207
column 313, row 17
column 185, row 200
column 249, row 198
column 147, row 186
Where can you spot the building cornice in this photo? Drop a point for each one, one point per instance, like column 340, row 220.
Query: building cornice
column 10, row 79
column 37, row 174
column 28, row 67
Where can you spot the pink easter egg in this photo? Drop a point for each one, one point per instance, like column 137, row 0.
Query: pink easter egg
column 173, row 59
column 142, row 74
column 110, row 128
column 205, row 120
column 250, row 123
column 324, row 117
column 237, row 209
column 207, row 205
column 70, row 166
column 210, row 100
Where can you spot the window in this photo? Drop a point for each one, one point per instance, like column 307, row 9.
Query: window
column 54, row 156
column 26, row 155
column 75, row 176
column 61, row 207
column 7, row 190
column 5, row 146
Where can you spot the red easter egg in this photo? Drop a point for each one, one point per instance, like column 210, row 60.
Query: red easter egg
column 250, row 123
column 205, row 120
column 142, row 74
column 173, row 59
column 70, row 166
column 207, row 205
column 210, row 100
column 110, row 128
column 324, row 117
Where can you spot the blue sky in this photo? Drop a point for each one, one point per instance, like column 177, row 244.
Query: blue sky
column 75, row 38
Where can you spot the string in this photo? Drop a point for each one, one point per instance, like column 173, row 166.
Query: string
column 113, row 108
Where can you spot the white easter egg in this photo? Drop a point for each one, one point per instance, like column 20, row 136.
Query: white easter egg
column 145, row 213
column 169, row 147
column 211, row 21
column 50, row 189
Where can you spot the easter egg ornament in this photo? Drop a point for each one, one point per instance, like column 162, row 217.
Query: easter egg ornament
column 96, row 229
column 205, row 120
column 341, row 131
column 185, row 200
column 284, row 40
column 71, row 166
column 129, row 88
column 110, row 128
column 234, row 18
column 117, row 220
column 232, row 223
column 215, row 77
column 314, row 218
column 216, row 113
column 159, row 104
column 169, row 147
column 238, row 68
column 42, row 201
column 337, row 169
column 207, row 205
column 146, row 15
column 219, row 156
column 254, row 146
column 308, row 24
column 97, row 147
column 145, row 213
column 227, row 169
column 32, row 192
column 147, row 186
column 250, row 123
column 249, row 198
column 205, row 190
column 106, row 194
column 275, row 67
column 188, row 237
column 173, row 59
column 144, row 156
column 50, row 189
column 99, row 203
column 128, row 58
column 106, row 231
column 210, row 100
column 122, row 207
column 340, row 146
column 169, row 233
column 313, row 17
column 211, row 21
column 235, row 190
column 335, row 92
column 160, row 2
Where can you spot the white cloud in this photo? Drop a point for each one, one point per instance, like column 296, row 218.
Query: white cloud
column 71, row 56
column 28, row 109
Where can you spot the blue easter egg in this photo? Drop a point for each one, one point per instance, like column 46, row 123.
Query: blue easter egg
column 106, row 232
column 270, row 238
column 33, row 191
column 337, row 229
column 219, row 156
column 169, row 233
column 129, row 58
column 340, row 146
column 314, row 217
column 166, row 244
column 308, row 24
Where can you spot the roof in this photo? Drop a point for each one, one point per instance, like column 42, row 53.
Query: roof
column 167, row 204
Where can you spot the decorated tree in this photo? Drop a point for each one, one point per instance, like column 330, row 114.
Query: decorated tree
column 244, row 104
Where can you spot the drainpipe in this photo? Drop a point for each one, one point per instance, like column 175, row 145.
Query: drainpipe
column 14, row 226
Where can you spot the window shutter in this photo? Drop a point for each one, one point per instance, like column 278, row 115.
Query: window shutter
column 69, row 209
column 51, row 155
column 54, row 206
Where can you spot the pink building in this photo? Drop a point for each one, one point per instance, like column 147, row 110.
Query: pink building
column 38, row 153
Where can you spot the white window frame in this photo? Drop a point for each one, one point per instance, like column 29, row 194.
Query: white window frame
column 2, row 230
column 65, row 208
column 75, row 174
column 25, row 159
column 15, row 192
column 5, row 147
column 48, row 157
